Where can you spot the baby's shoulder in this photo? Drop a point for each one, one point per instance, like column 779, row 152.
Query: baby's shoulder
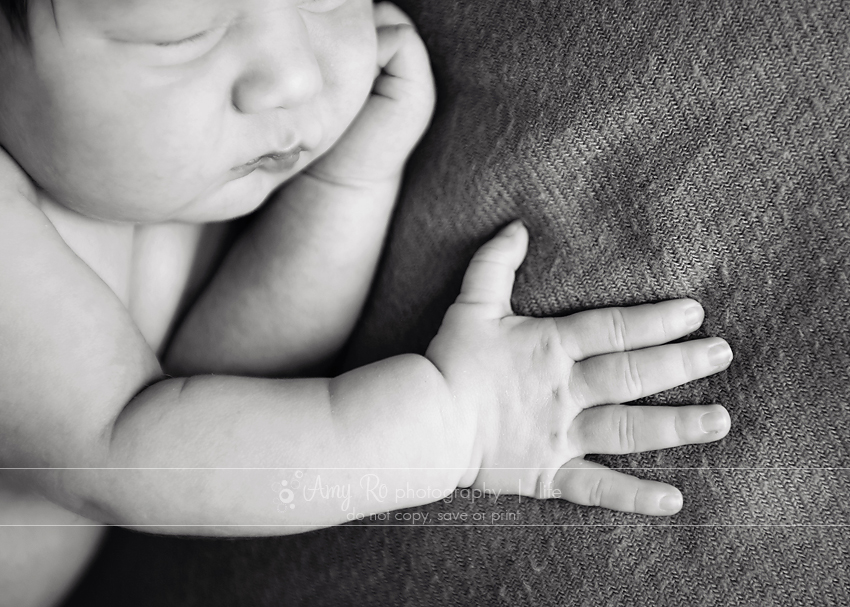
column 43, row 249
column 23, row 224
column 152, row 269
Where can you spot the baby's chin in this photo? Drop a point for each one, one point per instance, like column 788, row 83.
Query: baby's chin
column 227, row 196
column 224, row 201
column 233, row 199
column 239, row 196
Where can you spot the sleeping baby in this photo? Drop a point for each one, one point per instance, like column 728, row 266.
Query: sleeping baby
column 198, row 199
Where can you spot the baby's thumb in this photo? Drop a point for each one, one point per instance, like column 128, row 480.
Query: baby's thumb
column 489, row 278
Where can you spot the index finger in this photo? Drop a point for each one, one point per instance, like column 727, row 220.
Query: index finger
column 607, row 330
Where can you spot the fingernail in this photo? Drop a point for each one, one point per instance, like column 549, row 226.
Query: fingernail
column 712, row 422
column 671, row 503
column 720, row 354
column 693, row 316
column 512, row 228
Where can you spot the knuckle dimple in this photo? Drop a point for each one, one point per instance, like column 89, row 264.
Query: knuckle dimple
column 687, row 362
column 632, row 378
column 678, row 430
column 665, row 328
column 626, row 430
column 617, row 330
column 597, row 493
column 549, row 344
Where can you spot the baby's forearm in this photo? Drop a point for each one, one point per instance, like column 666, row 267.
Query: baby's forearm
column 382, row 437
column 289, row 292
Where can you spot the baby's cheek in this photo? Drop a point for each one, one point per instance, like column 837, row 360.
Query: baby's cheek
column 131, row 179
column 352, row 61
column 170, row 161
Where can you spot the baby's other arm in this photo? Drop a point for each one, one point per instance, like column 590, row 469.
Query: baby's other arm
column 291, row 288
column 289, row 292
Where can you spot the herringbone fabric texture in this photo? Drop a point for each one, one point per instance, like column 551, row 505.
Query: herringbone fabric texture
column 655, row 150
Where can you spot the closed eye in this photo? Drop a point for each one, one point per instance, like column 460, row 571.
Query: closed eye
column 188, row 40
column 322, row 6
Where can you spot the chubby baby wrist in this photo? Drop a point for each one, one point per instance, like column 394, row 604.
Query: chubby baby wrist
column 462, row 451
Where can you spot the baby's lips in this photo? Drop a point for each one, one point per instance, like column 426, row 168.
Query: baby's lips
column 276, row 161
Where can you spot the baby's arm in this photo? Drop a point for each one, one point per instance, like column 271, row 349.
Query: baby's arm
column 290, row 290
column 292, row 286
column 501, row 402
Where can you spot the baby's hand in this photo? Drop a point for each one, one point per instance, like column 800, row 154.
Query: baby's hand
column 530, row 389
column 396, row 114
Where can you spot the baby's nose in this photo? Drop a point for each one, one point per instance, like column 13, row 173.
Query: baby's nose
column 279, row 74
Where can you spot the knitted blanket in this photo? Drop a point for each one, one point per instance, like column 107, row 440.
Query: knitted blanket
column 654, row 150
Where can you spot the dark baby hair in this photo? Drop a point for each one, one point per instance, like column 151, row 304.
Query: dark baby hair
column 16, row 15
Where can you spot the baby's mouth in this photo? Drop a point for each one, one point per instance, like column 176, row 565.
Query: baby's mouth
column 277, row 162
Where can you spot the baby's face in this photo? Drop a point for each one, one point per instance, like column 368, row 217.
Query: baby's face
column 156, row 110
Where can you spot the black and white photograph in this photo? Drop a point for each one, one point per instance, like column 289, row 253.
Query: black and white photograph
column 424, row 303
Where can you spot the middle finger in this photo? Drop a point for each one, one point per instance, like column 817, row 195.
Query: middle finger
column 626, row 376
